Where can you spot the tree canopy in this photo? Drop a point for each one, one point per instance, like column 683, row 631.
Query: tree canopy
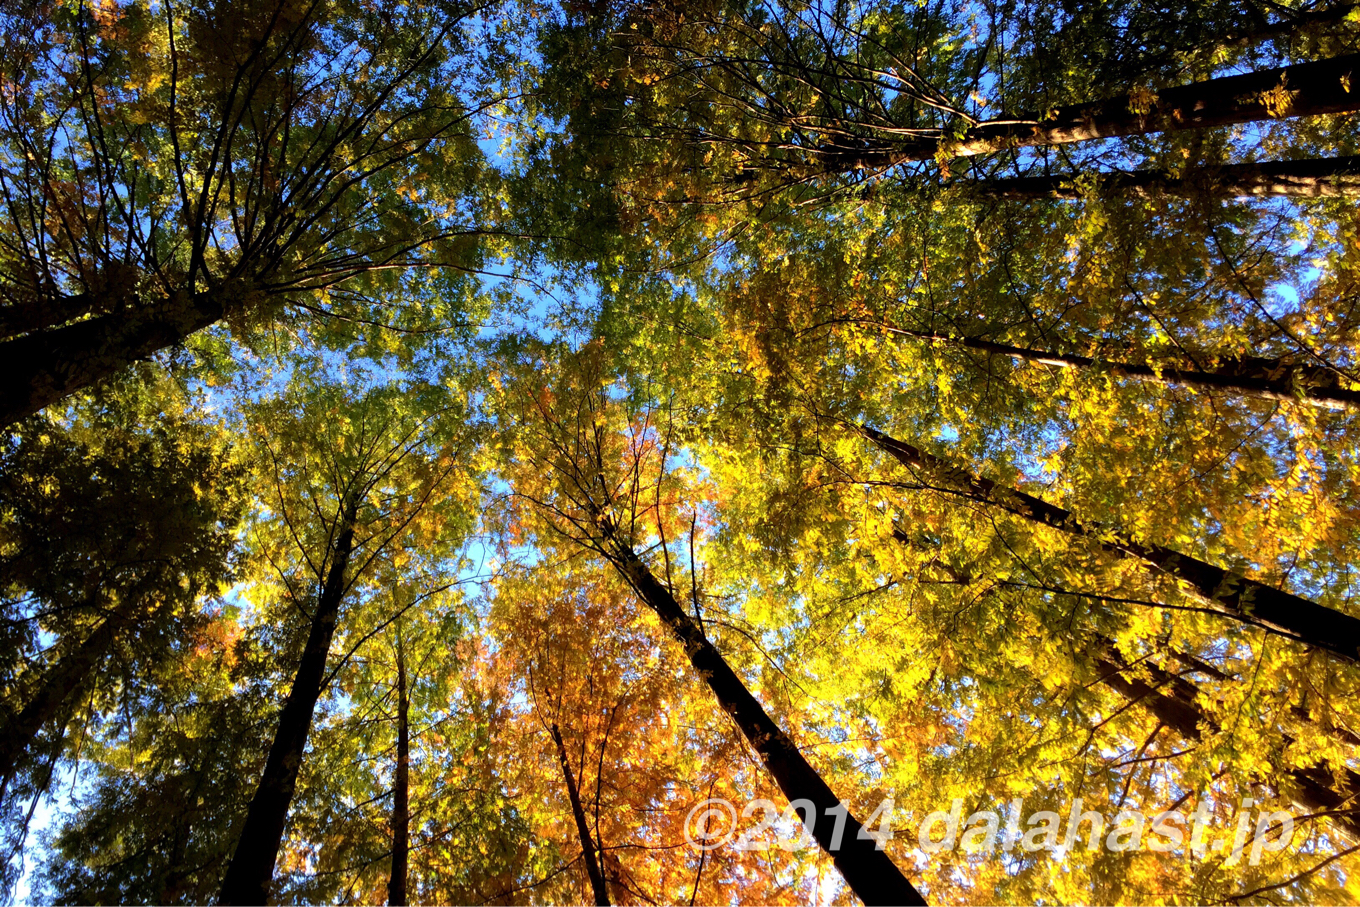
column 719, row 452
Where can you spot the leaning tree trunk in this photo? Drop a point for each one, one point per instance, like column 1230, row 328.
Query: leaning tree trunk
column 38, row 311
column 869, row 872
column 1225, row 591
column 252, row 866
column 42, row 368
column 1301, row 90
column 588, row 847
column 1300, row 714
column 1317, row 178
column 401, row 789
column 1172, row 700
column 1247, row 376
column 59, row 684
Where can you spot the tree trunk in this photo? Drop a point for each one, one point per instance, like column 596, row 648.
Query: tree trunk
column 1301, row 714
column 60, row 683
column 401, row 792
column 1301, row 90
column 597, row 884
column 1224, row 591
column 42, row 311
column 252, row 866
column 1316, row 178
column 40, row 369
column 1247, row 376
column 867, row 870
column 1311, row 790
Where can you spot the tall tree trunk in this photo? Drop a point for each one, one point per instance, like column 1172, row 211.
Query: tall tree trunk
column 401, row 792
column 588, row 848
column 59, row 684
column 1300, row 90
column 867, row 870
column 1224, row 591
column 1172, row 700
column 42, row 368
column 1315, row 178
column 1247, row 376
column 252, row 866
column 41, row 311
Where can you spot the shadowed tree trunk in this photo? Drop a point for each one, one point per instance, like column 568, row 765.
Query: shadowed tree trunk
column 401, row 789
column 59, row 684
column 1300, row 90
column 42, row 312
column 1247, row 376
column 588, row 847
column 1223, row 590
column 869, row 872
column 39, row 369
column 1191, row 663
column 1317, row 178
column 252, row 866
column 1172, row 700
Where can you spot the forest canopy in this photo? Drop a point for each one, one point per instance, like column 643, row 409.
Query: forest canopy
column 680, row 451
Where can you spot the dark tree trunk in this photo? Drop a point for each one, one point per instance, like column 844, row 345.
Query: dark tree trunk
column 1301, row 90
column 1318, row 178
column 1172, row 699
column 252, row 866
column 401, row 791
column 42, row 368
column 867, row 870
column 41, row 312
column 588, row 847
column 1223, row 590
column 1300, row 713
column 1247, row 376
column 61, row 682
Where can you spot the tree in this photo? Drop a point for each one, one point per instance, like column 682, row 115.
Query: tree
column 355, row 483
column 169, row 779
column 1172, row 700
column 480, row 571
column 111, row 536
column 401, row 792
column 172, row 167
column 601, row 503
column 809, row 97
column 589, row 847
column 1230, row 593
column 1249, row 376
column 1315, row 178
